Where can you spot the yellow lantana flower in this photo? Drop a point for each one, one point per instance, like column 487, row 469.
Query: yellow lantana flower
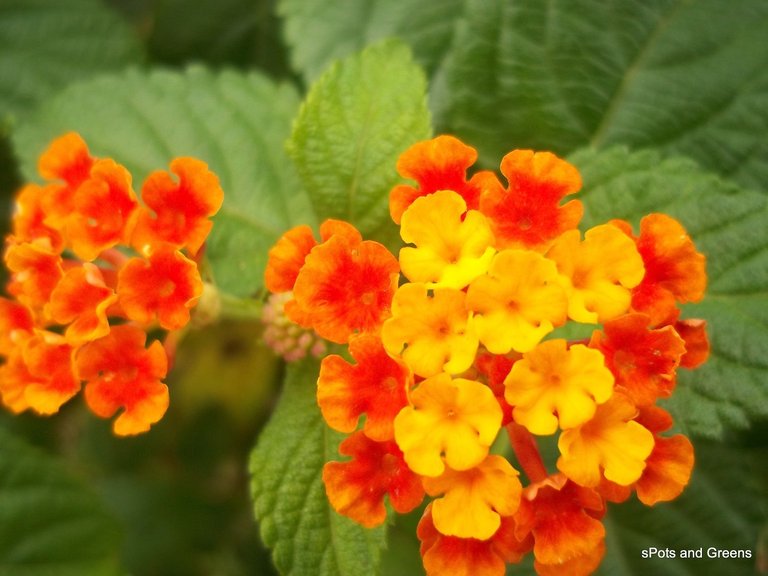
column 518, row 302
column 556, row 385
column 611, row 441
column 598, row 273
column 455, row 419
column 433, row 333
column 452, row 245
column 474, row 500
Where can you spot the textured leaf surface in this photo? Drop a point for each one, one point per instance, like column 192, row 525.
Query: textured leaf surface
column 320, row 32
column 357, row 119
column 237, row 123
column 49, row 522
column 688, row 77
column 46, row 44
column 723, row 509
column 296, row 521
column 730, row 226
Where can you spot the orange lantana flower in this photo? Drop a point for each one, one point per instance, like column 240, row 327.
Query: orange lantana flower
column 81, row 300
column 121, row 373
column 40, row 374
column 556, row 385
column 67, row 163
column 67, row 158
column 36, row 270
column 518, row 302
column 598, row 273
column 177, row 213
column 528, row 212
column 165, row 285
column 29, row 221
column 286, row 258
column 611, row 443
column 356, row 488
column 449, row 422
column 102, row 205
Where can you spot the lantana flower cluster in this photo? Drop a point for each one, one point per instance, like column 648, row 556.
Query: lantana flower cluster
column 459, row 340
column 93, row 271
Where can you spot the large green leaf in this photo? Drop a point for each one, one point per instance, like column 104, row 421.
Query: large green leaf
column 241, row 32
column 319, row 31
column 357, row 119
column 46, row 44
column 238, row 123
column 730, row 226
column 690, row 77
column 49, row 522
column 296, row 521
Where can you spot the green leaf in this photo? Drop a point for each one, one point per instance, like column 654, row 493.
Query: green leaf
column 723, row 508
column 235, row 122
column 49, row 522
column 320, row 32
column 730, row 226
column 356, row 121
column 688, row 77
column 306, row 535
column 46, row 44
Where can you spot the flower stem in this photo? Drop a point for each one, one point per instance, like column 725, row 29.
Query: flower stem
column 527, row 452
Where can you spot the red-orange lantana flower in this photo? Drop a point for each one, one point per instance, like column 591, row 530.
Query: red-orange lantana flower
column 528, row 212
column 642, row 360
column 376, row 386
column 166, row 285
column 121, row 373
column 437, row 164
column 345, row 286
column 452, row 556
column 356, row 488
column 674, row 270
column 177, row 213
